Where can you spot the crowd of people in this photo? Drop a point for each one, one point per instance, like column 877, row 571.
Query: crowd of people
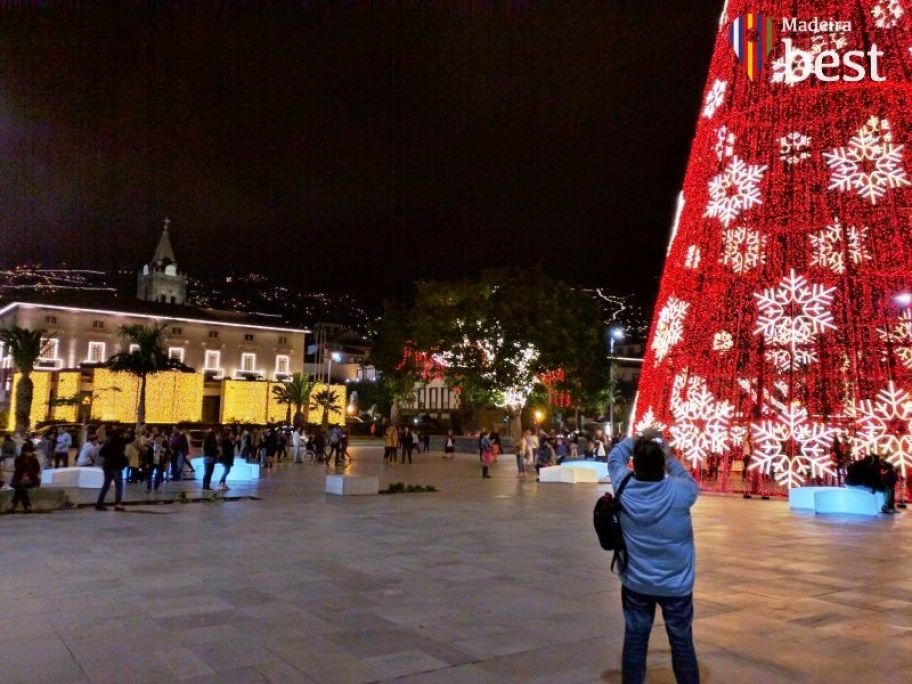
column 155, row 455
column 401, row 440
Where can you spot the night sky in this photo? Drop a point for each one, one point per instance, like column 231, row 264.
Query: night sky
column 347, row 148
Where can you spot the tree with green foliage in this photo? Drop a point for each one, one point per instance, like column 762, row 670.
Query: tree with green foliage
column 145, row 354
column 24, row 347
column 496, row 334
column 294, row 392
column 326, row 401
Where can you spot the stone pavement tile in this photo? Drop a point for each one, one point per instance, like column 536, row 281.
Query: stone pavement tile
column 46, row 659
column 117, row 667
column 232, row 654
column 279, row 672
column 180, row 622
column 461, row 674
column 206, row 634
column 392, row 665
column 197, row 604
column 244, row 675
column 183, row 663
column 324, row 661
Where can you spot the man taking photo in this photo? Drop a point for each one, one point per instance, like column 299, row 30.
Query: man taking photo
column 657, row 529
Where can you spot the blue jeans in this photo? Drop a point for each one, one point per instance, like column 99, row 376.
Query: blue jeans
column 226, row 469
column 117, row 477
column 177, row 465
column 208, row 467
column 639, row 612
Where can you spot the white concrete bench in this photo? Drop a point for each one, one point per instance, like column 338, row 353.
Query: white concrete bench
column 567, row 474
column 852, row 500
column 352, row 485
column 600, row 468
column 80, row 477
column 241, row 471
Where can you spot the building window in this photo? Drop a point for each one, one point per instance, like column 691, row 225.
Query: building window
column 177, row 331
column 98, row 325
column 432, row 397
column 248, row 337
column 49, row 348
column 248, row 362
column 50, row 320
column 213, row 334
column 213, row 360
column 445, row 398
column 421, row 398
column 283, row 340
column 176, row 353
column 283, row 364
column 96, row 351
column 133, row 348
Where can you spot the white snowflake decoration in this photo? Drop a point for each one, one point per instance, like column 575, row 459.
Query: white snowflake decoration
column 692, row 260
column 735, row 190
column 648, row 421
column 791, row 316
column 702, row 422
column 714, row 97
column 885, row 426
column 831, row 247
column 670, row 327
column 899, row 338
column 723, row 341
column 725, row 143
column 743, row 249
column 887, row 13
column 794, row 147
column 790, row 445
column 870, row 164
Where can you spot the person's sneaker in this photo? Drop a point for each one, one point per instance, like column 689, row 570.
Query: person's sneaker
column 121, row 509
column 207, row 489
column 101, row 508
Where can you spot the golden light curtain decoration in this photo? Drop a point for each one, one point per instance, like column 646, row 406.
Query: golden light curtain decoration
column 41, row 392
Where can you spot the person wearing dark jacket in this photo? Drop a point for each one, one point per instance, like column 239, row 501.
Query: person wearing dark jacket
column 210, row 454
column 226, row 458
column 113, row 453
column 26, row 476
column 655, row 521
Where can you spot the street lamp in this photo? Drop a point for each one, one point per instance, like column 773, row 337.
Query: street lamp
column 615, row 334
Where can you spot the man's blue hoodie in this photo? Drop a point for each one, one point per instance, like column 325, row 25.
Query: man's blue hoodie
column 657, row 528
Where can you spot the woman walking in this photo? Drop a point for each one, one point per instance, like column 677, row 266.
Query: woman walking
column 487, row 456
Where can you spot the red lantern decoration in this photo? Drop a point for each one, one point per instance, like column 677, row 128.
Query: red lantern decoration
column 783, row 321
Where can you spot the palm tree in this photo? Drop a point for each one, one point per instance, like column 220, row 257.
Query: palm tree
column 326, row 400
column 25, row 347
column 295, row 393
column 147, row 356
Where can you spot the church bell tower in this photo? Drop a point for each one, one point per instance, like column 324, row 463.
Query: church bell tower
column 160, row 280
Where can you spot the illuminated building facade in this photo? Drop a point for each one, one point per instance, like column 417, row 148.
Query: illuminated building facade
column 83, row 332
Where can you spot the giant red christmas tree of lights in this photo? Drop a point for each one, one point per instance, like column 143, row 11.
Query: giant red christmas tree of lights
column 781, row 323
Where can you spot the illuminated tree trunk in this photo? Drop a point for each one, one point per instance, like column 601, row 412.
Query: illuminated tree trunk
column 141, row 403
column 780, row 316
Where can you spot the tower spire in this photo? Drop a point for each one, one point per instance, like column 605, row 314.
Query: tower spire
column 164, row 250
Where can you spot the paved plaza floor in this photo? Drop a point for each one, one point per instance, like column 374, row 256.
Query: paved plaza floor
column 483, row 581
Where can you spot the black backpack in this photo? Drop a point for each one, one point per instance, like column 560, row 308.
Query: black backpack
column 607, row 520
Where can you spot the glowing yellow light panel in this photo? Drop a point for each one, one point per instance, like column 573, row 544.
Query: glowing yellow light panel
column 41, row 392
column 244, row 401
column 67, row 388
column 336, row 413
